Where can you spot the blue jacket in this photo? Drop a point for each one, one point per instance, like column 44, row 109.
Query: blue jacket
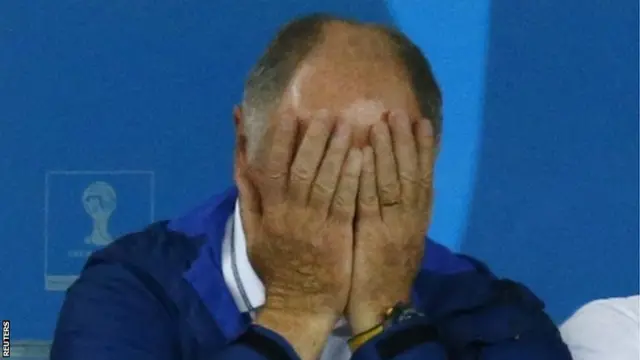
column 159, row 294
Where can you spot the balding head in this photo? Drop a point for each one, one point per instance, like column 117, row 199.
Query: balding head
column 352, row 70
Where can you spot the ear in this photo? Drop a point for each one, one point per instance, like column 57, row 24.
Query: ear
column 249, row 199
column 242, row 168
column 237, row 114
column 241, row 161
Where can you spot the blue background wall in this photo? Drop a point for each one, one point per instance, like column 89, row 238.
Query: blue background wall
column 555, row 198
column 538, row 173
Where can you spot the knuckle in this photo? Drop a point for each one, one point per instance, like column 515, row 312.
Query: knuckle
column 275, row 175
column 369, row 199
column 343, row 206
column 389, row 191
column 300, row 174
column 408, row 176
column 339, row 202
column 426, row 181
column 321, row 191
column 268, row 180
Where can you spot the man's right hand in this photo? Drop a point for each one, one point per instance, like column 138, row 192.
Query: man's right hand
column 299, row 224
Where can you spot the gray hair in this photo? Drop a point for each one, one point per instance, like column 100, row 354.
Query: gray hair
column 270, row 76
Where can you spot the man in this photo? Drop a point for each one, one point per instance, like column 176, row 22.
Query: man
column 605, row 329
column 336, row 140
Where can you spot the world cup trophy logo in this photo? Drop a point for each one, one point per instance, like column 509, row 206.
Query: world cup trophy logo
column 99, row 200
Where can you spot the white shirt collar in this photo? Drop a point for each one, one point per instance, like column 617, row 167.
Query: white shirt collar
column 243, row 282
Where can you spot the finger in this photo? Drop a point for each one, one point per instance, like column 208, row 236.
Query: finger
column 368, row 204
column 344, row 200
column 324, row 186
column 308, row 158
column 386, row 170
column 405, row 151
column 426, row 157
column 274, row 165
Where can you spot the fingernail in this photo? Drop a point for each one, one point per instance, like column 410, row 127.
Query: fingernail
column 428, row 126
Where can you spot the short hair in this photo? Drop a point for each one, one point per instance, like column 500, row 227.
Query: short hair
column 272, row 73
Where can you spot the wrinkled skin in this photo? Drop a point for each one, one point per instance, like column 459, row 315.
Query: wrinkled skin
column 321, row 255
column 300, row 220
column 339, row 230
column 394, row 207
column 304, row 230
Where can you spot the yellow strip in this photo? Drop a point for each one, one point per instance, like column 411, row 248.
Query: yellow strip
column 359, row 340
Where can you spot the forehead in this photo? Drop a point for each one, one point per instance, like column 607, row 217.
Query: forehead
column 352, row 74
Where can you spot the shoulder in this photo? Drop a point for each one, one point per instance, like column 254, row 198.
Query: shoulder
column 450, row 282
column 441, row 260
column 154, row 249
column 131, row 300
column 155, row 259
column 466, row 302
column 148, row 265
column 134, row 283
column 606, row 327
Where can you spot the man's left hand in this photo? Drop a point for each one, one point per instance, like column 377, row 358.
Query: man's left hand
column 393, row 213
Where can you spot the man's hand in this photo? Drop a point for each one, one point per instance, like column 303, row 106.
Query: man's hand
column 301, row 235
column 393, row 212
